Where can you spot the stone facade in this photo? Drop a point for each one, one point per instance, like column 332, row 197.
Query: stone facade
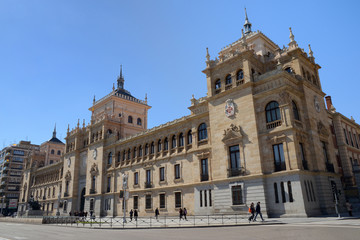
column 262, row 133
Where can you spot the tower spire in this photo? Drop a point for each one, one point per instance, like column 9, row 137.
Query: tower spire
column 54, row 132
column 120, row 80
column 247, row 25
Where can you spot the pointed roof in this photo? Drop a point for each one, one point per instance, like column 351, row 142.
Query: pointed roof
column 54, row 139
column 247, row 24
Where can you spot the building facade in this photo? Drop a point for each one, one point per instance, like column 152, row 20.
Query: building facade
column 262, row 133
column 42, row 177
column 12, row 161
column 346, row 135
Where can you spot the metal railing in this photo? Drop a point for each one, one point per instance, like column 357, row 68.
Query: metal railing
column 147, row 222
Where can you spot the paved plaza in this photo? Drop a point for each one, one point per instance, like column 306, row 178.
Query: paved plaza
column 284, row 228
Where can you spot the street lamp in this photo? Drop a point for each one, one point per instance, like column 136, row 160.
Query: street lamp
column 125, row 179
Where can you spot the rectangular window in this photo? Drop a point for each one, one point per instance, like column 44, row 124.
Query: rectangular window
column 201, row 203
column 291, row 199
column 346, row 139
column 276, row 193
column 303, row 159
column 107, row 204
column 237, row 198
column 210, row 200
column 205, row 199
column 65, row 206
column 325, row 152
column 108, row 185
column 148, row 176
column 148, row 201
column 352, row 143
column 279, row 158
column 356, row 141
column 283, row 195
column 177, row 171
column 162, row 174
column 136, row 178
column 204, row 170
column 307, row 191
column 234, row 157
column 92, row 204
column 135, row 202
column 178, row 200
column 162, row 200
column 312, row 190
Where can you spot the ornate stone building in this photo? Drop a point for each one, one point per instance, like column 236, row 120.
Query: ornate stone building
column 42, row 177
column 262, row 133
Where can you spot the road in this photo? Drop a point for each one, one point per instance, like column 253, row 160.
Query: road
column 322, row 230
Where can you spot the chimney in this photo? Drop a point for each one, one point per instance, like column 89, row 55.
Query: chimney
column 328, row 102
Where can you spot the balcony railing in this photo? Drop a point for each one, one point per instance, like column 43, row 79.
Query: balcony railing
column 148, row 185
column 233, row 172
column 330, row 167
column 204, row 177
column 273, row 124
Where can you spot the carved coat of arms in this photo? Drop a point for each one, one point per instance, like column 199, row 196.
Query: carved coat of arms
column 229, row 108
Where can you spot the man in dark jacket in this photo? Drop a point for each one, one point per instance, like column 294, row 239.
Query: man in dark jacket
column 258, row 211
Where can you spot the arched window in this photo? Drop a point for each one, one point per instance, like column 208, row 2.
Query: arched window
column 93, row 184
column 146, row 149
column 58, row 152
column 276, row 193
column 130, row 119
column 295, row 111
column 314, row 80
column 159, row 145
column 289, row 70
column 109, row 158
column 217, row 84
column 202, row 132
column 140, row 151
column 240, row 75
column 272, row 112
column 166, row 144
column 181, row 140
column 139, row 121
column 173, row 141
column 52, row 151
column 109, row 132
column 189, row 137
column 152, row 148
column 308, row 76
column 291, row 199
column 228, row 79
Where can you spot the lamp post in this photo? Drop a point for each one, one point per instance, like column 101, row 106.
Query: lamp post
column 125, row 178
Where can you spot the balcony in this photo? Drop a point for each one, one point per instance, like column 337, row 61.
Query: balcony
column 330, row 167
column 148, row 185
column 273, row 124
column 234, row 172
column 204, row 177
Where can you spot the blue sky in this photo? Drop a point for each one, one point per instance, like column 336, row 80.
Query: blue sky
column 56, row 55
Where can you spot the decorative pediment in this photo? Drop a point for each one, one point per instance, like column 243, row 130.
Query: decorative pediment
column 322, row 129
column 68, row 176
column 203, row 155
column 277, row 139
column 232, row 134
column 94, row 169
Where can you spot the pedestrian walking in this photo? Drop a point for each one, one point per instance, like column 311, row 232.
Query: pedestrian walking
column 349, row 208
column 180, row 213
column 185, row 213
column 131, row 214
column 135, row 215
column 258, row 211
column 157, row 213
column 252, row 211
